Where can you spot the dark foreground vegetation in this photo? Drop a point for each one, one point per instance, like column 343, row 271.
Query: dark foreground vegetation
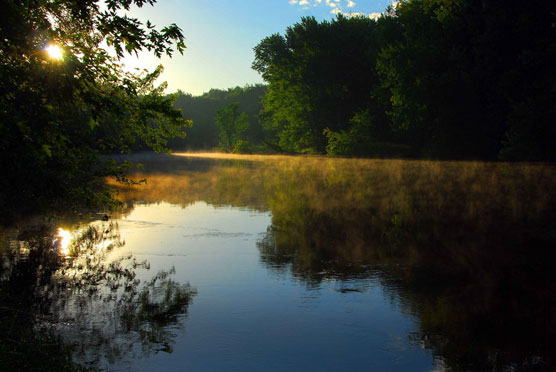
column 58, row 116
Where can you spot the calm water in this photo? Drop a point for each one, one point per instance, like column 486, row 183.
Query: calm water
column 277, row 263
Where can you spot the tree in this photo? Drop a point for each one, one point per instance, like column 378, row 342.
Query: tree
column 204, row 134
column 473, row 80
column 320, row 75
column 448, row 79
column 233, row 125
column 57, row 116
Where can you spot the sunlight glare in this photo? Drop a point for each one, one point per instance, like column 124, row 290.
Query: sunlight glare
column 64, row 240
column 54, row 52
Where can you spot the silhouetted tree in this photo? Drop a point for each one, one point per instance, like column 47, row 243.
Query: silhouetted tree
column 56, row 116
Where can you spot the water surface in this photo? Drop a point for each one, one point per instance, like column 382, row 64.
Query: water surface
column 284, row 263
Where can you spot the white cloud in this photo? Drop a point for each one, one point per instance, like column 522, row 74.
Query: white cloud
column 337, row 7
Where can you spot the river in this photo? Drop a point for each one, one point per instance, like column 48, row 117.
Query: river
column 276, row 263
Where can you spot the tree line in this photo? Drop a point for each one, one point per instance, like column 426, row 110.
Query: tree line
column 458, row 79
column 227, row 120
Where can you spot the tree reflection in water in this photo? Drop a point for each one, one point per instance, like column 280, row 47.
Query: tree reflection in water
column 68, row 309
column 467, row 247
column 469, row 252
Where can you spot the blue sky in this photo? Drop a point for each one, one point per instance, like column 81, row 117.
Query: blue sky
column 220, row 36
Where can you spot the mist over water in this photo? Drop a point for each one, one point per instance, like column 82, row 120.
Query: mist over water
column 340, row 264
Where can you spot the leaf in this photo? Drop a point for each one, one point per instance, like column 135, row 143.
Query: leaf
column 47, row 151
column 93, row 123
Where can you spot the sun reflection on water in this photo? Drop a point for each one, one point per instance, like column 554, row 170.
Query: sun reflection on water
column 63, row 241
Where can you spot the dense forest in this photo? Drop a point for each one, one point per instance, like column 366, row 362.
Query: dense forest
column 441, row 79
column 429, row 78
column 208, row 132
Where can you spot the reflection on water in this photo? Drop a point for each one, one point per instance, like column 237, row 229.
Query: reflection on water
column 62, row 241
column 330, row 264
column 468, row 247
column 63, row 302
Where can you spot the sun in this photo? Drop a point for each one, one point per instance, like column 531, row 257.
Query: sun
column 54, row 52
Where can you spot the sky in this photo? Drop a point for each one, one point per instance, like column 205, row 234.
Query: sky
column 220, row 36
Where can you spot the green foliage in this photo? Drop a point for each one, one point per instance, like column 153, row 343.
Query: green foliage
column 56, row 116
column 363, row 139
column 532, row 130
column 461, row 76
column 205, row 134
column 319, row 75
column 233, row 125
column 441, row 79
column 354, row 141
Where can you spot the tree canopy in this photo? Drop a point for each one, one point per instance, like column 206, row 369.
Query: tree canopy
column 319, row 74
column 58, row 115
column 205, row 134
column 444, row 79
column 233, row 125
